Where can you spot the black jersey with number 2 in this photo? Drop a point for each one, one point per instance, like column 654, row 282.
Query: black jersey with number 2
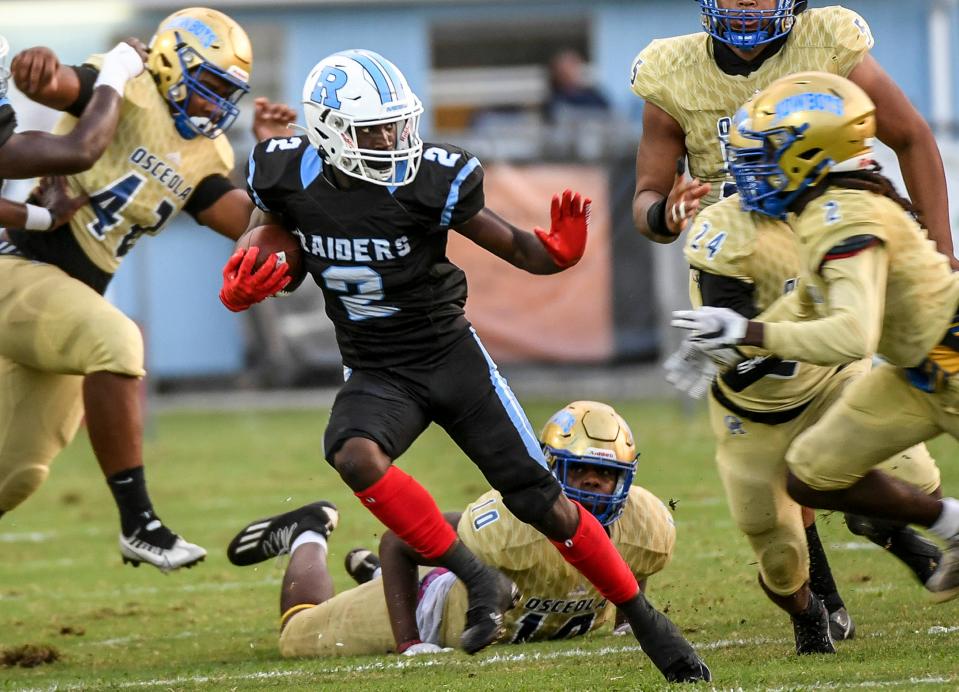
column 378, row 253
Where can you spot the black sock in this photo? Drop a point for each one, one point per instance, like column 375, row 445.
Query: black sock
column 129, row 490
column 820, row 575
column 461, row 561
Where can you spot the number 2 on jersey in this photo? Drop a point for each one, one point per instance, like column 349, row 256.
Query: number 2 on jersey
column 362, row 288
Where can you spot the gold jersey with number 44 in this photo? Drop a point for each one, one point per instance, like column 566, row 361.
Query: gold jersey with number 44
column 145, row 176
column 680, row 76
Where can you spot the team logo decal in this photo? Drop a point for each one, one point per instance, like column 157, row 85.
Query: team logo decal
column 734, row 425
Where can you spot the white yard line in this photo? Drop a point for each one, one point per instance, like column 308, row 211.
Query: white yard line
column 402, row 663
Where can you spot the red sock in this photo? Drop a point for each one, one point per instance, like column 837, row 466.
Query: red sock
column 594, row 555
column 405, row 506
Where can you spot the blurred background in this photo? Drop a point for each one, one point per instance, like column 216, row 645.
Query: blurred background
column 539, row 90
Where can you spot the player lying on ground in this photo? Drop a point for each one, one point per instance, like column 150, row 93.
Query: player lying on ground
column 78, row 355
column 745, row 261
column 592, row 453
column 693, row 84
column 33, row 153
column 372, row 206
column 871, row 283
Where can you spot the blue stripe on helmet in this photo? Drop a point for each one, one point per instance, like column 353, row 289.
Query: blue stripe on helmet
column 391, row 72
column 374, row 70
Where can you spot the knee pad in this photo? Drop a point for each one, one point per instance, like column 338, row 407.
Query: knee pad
column 114, row 345
column 21, row 483
column 783, row 563
column 530, row 503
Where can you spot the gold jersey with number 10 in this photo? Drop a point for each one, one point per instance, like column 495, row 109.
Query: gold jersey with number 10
column 556, row 601
column 145, row 176
column 680, row 76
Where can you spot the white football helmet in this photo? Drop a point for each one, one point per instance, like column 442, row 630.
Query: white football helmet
column 359, row 88
column 4, row 72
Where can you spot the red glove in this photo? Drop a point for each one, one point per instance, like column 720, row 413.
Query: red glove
column 569, row 218
column 242, row 287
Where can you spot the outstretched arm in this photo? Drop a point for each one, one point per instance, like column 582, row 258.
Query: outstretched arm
column 30, row 154
column 540, row 252
column 900, row 126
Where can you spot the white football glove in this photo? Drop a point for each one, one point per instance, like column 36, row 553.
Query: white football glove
column 691, row 369
column 426, row 648
column 712, row 327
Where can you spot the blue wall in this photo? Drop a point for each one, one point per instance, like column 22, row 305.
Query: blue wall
column 171, row 281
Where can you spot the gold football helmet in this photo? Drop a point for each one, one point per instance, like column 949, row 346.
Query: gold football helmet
column 807, row 125
column 199, row 53
column 590, row 433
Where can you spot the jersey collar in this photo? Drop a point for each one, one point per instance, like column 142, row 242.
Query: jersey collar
column 732, row 64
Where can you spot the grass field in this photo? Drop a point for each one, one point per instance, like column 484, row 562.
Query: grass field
column 62, row 583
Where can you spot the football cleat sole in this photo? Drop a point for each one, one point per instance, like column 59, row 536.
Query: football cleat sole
column 272, row 536
column 182, row 554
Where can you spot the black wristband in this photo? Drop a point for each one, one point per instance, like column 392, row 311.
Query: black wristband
column 656, row 219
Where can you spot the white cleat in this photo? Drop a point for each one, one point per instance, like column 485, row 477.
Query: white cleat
column 146, row 544
column 943, row 585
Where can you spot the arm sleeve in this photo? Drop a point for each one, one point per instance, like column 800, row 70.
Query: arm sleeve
column 728, row 292
column 206, row 194
column 87, row 74
column 856, row 294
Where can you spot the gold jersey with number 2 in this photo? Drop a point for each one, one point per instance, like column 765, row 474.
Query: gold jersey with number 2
column 145, row 176
column 680, row 76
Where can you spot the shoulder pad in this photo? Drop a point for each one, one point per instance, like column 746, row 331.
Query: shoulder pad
column 721, row 238
column 658, row 61
column 449, row 182
column 839, row 30
column 835, row 217
column 276, row 167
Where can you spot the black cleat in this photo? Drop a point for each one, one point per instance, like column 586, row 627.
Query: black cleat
column 684, row 670
column 919, row 554
column 488, row 600
column 361, row 564
column 812, row 630
column 265, row 538
column 841, row 626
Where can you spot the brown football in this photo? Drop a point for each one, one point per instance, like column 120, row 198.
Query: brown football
column 273, row 238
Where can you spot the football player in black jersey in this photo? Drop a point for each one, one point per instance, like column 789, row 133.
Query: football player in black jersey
column 372, row 206
column 34, row 153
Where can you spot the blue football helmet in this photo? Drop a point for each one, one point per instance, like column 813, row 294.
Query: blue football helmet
column 194, row 44
column 748, row 28
column 794, row 133
column 591, row 434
